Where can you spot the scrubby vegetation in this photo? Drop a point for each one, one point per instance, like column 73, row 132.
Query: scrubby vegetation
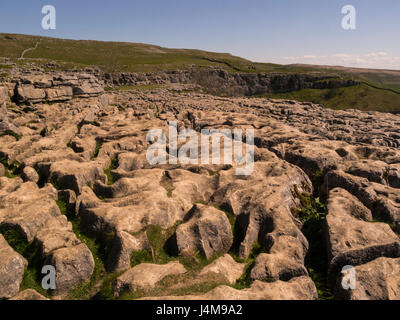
column 362, row 97
column 313, row 214
column 11, row 170
column 107, row 172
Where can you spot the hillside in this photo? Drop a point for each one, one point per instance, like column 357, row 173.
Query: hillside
column 378, row 90
column 114, row 56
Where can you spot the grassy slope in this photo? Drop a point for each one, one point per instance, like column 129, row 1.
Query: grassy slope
column 136, row 57
column 360, row 97
column 116, row 56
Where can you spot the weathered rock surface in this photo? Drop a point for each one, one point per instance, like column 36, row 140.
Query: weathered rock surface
column 145, row 276
column 29, row 294
column 58, row 86
column 353, row 239
column 73, row 265
column 375, row 280
column 12, row 266
column 6, row 125
column 225, row 267
column 224, row 82
column 121, row 247
column 301, row 288
column 89, row 153
column 35, row 214
column 270, row 267
column 207, row 231
column 30, row 174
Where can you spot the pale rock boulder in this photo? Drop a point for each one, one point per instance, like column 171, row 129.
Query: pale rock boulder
column 27, row 92
column 35, row 214
column 312, row 157
column 352, row 241
column 374, row 171
column 29, row 294
column 120, row 248
column 357, row 186
column 88, row 86
column 146, row 197
column 28, row 208
column 73, row 265
column 56, row 233
column 2, row 170
column 12, row 267
column 61, row 93
column 381, row 199
column 145, row 276
column 30, row 174
column 4, row 94
column 7, row 125
column 262, row 204
column 393, row 175
column 75, row 175
column 225, row 267
column 207, row 231
column 375, row 280
column 300, row 288
column 104, row 100
column 271, row 267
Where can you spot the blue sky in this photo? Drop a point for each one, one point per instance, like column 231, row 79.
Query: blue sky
column 282, row 31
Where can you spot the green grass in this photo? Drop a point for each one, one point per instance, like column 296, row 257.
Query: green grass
column 360, row 97
column 106, row 291
column 187, row 283
column 97, row 149
column 107, row 171
column 12, row 134
column 158, row 238
column 244, row 281
column 11, row 170
column 95, row 245
column 62, row 205
column 135, row 57
column 167, row 184
column 114, row 56
column 313, row 214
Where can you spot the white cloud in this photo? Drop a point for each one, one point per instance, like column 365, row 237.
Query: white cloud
column 342, row 55
column 378, row 60
column 377, row 54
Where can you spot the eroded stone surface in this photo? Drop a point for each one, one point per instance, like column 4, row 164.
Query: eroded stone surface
column 375, row 280
column 93, row 150
column 351, row 239
column 225, row 267
column 145, row 276
column 12, row 266
column 29, row 294
column 300, row 288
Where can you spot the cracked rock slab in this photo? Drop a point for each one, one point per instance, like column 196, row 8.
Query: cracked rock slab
column 12, row 266
column 300, row 288
column 351, row 240
column 145, row 276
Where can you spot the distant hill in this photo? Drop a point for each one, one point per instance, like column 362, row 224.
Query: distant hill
column 379, row 89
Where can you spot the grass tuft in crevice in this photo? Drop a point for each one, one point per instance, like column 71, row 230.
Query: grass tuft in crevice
column 313, row 214
column 113, row 166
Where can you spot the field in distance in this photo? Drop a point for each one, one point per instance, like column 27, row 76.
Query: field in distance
column 379, row 89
